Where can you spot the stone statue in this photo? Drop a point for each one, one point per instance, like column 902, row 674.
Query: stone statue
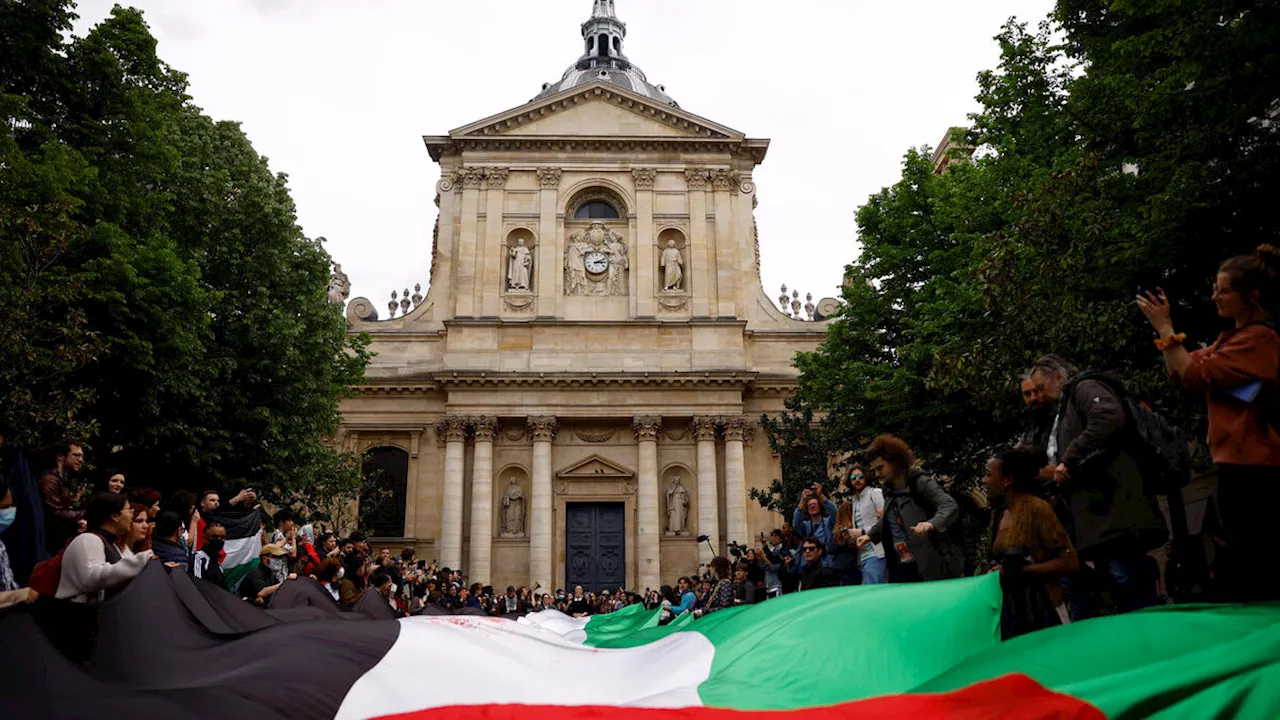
column 672, row 265
column 618, row 263
column 339, row 286
column 513, row 511
column 677, row 507
column 575, row 278
column 520, row 269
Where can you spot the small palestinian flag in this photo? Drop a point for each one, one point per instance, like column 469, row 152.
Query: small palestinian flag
column 244, row 545
column 168, row 647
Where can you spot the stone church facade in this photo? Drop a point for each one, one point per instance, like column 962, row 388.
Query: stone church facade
column 577, row 397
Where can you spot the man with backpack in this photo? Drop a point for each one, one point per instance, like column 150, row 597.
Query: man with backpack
column 1092, row 457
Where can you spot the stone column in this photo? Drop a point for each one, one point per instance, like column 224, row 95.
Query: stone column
column 549, row 267
column 480, row 563
column 726, row 262
column 643, row 263
column 453, row 430
column 468, row 248
column 491, row 279
column 701, row 268
column 737, row 430
column 648, row 525
column 704, row 429
column 543, row 431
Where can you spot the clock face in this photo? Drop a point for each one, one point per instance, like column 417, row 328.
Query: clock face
column 596, row 262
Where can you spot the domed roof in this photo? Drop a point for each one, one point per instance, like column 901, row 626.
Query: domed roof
column 603, row 59
column 629, row 78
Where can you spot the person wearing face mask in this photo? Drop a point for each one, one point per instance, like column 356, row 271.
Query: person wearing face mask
column 10, row 593
column 207, row 563
column 260, row 584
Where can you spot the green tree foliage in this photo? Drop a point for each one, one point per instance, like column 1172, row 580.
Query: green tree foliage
column 1121, row 145
column 167, row 307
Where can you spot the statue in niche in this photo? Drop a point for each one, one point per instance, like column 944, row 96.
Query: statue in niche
column 513, row 511
column 677, row 507
column 339, row 286
column 520, row 269
column 672, row 266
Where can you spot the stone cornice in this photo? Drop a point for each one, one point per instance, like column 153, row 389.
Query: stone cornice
column 396, row 387
column 472, row 379
column 598, row 90
column 593, row 144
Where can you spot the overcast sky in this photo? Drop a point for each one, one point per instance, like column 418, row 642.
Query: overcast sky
column 338, row 94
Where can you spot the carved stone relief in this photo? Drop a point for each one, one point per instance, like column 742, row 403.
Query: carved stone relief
column 596, row 263
column 589, row 436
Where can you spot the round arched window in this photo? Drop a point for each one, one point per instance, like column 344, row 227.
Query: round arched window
column 596, row 210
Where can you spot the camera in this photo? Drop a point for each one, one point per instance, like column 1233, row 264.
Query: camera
column 736, row 549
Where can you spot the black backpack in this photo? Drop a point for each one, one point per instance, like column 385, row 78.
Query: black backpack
column 1155, row 443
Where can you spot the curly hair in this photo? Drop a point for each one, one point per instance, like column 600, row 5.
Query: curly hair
column 893, row 450
column 1022, row 465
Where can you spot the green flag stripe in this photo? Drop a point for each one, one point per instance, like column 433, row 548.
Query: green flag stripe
column 839, row 644
column 1177, row 661
column 236, row 573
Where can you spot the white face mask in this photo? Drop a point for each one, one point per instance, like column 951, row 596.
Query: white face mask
column 341, row 573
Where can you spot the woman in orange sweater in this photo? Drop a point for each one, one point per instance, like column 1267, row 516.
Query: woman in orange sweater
column 1240, row 376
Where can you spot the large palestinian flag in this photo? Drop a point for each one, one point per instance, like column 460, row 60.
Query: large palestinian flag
column 171, row 647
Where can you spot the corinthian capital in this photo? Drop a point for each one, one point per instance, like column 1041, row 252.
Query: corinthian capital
column 471, row 178
column 451, row 428
column 725, row 180
column 647, row 427
column 644, row 178
column 739, row 427
column 496, row 178
column 697, row 178
column 542, row 428
column 549, row 177
column 704, row 428
column 484, row 428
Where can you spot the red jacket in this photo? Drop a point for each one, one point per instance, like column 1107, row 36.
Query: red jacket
column 1238, row 434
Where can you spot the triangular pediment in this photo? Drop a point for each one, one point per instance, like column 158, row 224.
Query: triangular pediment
column 597, row 109
column 596, row 467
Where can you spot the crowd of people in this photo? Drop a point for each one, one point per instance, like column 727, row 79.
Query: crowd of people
column 1067, row 515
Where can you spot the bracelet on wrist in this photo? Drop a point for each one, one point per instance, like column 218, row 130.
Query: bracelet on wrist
column 1163, row 344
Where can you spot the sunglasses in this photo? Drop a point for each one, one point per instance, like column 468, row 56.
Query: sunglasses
column 810, row 548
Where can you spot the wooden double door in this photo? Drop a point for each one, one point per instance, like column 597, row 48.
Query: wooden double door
column 595, row 546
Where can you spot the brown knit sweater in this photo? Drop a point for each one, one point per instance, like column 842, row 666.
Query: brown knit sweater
column 1237, row 434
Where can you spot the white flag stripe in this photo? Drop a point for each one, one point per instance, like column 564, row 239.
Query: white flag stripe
column 458, row 661
column 561, row 625
column 242, row 551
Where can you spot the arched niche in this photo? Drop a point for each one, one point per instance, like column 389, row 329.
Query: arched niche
column 511, row 503
column 385, row 470
column 518, row 274
column 672, row 261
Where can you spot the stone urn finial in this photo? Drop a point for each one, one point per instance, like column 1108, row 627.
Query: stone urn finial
column 417, row 294
column 393, row 305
